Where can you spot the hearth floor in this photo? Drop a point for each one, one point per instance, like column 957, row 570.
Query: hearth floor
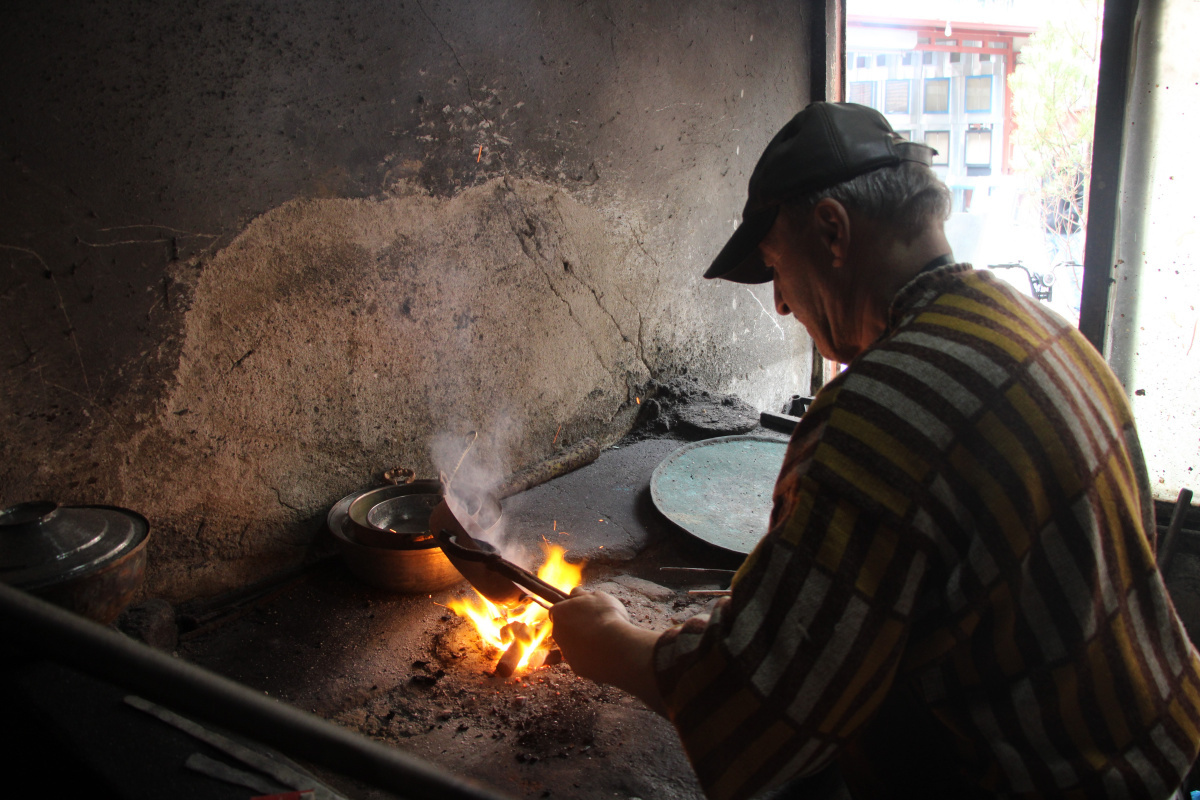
column 408, row 672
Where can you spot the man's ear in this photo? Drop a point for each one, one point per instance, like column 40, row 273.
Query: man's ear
column 833, row 227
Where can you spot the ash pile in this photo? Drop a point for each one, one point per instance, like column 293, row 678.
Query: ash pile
column 683, row 407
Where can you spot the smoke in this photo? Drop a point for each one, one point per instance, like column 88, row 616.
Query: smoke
column 472, row 465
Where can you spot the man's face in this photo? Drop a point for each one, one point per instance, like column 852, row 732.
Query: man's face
column 788, row 250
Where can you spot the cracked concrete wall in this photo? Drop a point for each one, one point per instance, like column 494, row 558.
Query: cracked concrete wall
column 254, row 254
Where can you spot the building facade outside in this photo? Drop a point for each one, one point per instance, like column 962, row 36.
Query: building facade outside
column 942, row 84
column 945, row 83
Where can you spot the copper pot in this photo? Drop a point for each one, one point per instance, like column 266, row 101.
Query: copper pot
column 410, row 561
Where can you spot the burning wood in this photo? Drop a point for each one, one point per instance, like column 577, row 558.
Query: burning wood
column 522, row 652
column 516, row 631
column 514, row 656
column 520, row 634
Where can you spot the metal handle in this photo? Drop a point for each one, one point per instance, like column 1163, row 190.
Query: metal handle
column 501, row 566
column 1177, row 516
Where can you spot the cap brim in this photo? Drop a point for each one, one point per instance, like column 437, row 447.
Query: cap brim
column 739, row 260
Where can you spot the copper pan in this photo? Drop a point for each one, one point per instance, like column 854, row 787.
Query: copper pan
column 419, row 567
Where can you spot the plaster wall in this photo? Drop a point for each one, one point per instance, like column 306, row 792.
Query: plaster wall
column 253, row 254
column 1156, row 283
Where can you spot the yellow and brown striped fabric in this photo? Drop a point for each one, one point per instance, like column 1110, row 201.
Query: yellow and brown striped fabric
column 962, row 515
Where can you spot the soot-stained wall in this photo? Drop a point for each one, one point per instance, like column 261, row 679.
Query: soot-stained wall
column 252, row 254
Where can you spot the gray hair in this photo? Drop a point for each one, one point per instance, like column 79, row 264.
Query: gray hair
column 907, row 197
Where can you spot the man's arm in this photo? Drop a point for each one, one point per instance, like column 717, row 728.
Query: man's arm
column 601, row 643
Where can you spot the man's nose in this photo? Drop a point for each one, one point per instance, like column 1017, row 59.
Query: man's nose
column 780, row 306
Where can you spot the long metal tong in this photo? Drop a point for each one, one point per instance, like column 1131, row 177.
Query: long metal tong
column 490, row 559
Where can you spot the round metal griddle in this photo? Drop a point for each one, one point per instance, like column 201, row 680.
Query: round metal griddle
column 719, row 490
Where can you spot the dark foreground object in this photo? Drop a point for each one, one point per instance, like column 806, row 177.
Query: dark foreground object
column 35, row 626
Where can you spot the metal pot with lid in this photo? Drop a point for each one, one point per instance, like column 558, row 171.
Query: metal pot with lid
column 89, row 559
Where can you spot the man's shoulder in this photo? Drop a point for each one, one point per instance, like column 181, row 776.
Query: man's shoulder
column 974, row 314
column 964, row 341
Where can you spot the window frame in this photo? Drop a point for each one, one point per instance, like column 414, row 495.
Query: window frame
column 967, row 148
column 967, row 94
column 942, row 158
column 925, row 95
column 850, row 92
column 907, row 95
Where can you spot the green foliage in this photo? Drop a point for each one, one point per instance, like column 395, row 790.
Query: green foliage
column 1054, row 107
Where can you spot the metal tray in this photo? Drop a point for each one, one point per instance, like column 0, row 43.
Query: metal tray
column 719, row 490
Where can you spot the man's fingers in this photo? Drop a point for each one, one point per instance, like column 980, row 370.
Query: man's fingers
column 581, row 602
column 557, row 607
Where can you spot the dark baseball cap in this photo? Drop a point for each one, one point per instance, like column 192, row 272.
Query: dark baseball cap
column 822, row 146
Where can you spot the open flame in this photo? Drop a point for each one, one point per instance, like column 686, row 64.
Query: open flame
column 528, row 625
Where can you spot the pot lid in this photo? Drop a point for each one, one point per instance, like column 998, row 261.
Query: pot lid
column 43, row 543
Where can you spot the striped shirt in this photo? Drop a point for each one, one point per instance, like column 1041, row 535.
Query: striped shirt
column 963, row 517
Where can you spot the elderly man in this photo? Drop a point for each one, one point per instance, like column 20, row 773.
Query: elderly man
column 957, row 594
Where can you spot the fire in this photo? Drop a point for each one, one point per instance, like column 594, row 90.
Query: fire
column 528, row 623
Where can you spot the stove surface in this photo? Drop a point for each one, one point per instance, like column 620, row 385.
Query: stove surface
column 406, row 671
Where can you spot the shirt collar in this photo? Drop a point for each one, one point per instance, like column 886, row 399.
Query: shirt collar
column 911, row 292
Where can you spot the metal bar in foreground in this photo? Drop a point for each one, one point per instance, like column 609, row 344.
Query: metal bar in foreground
column 91, row 648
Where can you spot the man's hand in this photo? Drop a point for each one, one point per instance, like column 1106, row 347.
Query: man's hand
column 589, row 629
column 601, row 643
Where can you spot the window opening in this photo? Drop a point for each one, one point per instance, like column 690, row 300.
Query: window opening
column 862, row 92
column 939, row 141
column 937, row 96
column 978, row 150
column 1027, row 171
column 895, row 99
column 979, row 93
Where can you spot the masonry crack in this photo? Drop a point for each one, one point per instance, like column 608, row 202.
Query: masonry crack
column 279, row 499
column 625, row 338
column 449, row 47
column 238, row 363
column 596, row 295
column 29, row 354
column 767, row 314
column 642, row 246
column 527, row 237
column 63, row 308
column 642, row 343
column 571, row 313
column 479, row 109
